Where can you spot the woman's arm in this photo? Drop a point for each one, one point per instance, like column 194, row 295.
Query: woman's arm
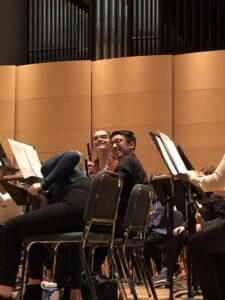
column 211, row 183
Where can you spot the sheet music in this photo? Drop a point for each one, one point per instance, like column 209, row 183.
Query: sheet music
column 27, row 159
column 173, row 153
column 166, row 156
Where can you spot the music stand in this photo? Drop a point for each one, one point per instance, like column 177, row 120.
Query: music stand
column 18, row 195
column 178, row 164
column 6, row 165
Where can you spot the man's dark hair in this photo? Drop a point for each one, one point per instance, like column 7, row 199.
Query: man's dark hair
column 129, row 135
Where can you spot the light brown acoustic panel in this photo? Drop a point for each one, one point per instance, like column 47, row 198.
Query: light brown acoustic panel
column 53, row 113
column 57, row 140
column 7, row 104
column 55, row 79
column 200, row 135
column 199, row 106
column 127, row 109
column 132, row 74
column 202, row 70
column 7, row 115
column 204, row 157
column 7, row 82
column 54, row 106
column 152, row 161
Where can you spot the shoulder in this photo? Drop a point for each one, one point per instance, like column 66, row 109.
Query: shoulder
column 81, row 183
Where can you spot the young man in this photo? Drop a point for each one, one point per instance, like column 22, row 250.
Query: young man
column 123, row 143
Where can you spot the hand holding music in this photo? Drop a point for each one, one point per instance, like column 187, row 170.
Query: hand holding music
column 35, row 188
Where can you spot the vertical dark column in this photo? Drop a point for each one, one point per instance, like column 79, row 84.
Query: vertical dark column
column 112, row 29
column 13, row 32
column 105, row 28
column 92, row 32
column 130, row 18
column 57, row 18
column 30, row 32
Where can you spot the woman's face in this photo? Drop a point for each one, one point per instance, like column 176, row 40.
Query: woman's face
column 101, row 140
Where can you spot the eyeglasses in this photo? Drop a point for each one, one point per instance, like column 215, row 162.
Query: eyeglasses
column 117, row 141
column 102, row 137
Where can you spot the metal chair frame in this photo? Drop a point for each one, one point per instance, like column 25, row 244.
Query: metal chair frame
column 135, row 226
column 101, row 210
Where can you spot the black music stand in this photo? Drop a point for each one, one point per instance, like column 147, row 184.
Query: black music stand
column 6, row 165
column 164, row 189
column 177, row 164
column 17, row 194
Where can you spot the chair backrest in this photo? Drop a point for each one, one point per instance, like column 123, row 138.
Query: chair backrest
column 178, row 218
column 103, row 198
column 137, row 213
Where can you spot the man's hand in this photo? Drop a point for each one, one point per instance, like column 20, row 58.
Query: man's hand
column 178, row 230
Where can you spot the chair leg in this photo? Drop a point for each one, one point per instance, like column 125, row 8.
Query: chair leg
column 88, row 274
column 145, row 272
column 116, row 272
column 139, row 269
column 24, row 270
column 125, row 268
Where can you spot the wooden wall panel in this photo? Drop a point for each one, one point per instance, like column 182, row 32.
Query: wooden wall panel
column 199, row 105
column 134, row 93
column 53, row 107
column 7, row 105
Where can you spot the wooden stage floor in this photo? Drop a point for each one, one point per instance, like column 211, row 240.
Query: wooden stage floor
column 180, row 292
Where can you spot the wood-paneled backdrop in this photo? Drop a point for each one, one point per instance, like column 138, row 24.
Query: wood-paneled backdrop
column 56, row 106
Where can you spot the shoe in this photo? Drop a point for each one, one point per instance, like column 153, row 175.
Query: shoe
column 161, row 277
column 32, row 292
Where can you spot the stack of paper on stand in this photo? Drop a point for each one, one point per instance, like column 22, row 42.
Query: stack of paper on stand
column 27, row 159
column 30, row 167
column 170, row 154
column 176, row 161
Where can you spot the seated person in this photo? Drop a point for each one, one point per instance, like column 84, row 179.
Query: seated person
column 68, row 192
column 101, row 147
column 156, row 238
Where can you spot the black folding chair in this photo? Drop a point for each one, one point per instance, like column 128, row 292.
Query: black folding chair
column 101, row 210
column 135, row 226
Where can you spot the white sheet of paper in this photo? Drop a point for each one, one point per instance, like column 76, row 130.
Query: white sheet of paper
column 166, row 156
column 172, row 150
column 27, row 159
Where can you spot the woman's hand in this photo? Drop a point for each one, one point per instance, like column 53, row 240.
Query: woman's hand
column 90, row 168
column 35, row 188
column 193, row 174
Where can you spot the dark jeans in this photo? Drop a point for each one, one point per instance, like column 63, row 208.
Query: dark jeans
column 206, row 249
column 153, row 249
column 55, row 218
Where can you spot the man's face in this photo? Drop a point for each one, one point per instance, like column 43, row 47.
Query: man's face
column 120, row 146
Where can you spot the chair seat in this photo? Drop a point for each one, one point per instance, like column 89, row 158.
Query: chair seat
column 57, row 237
column 118, row 242
column 66, row 237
